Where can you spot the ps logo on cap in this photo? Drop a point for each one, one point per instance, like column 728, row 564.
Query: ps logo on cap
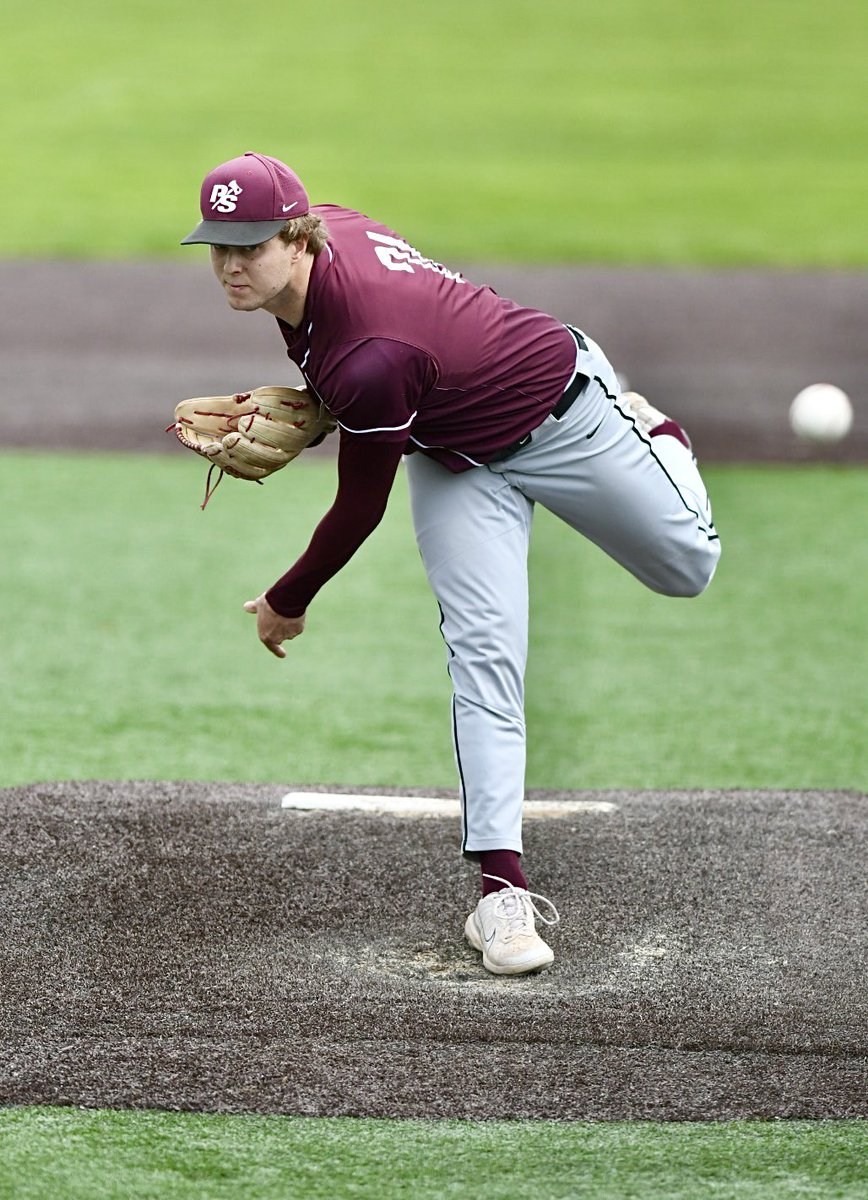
column 224, row 196
column 246, row 201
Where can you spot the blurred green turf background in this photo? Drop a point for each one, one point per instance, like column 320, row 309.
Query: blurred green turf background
column 656, row 131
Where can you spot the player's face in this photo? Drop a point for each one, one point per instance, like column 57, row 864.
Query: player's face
column 256, row 276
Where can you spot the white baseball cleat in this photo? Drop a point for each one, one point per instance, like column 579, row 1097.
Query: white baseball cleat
column 646, row 416
column 502, row 927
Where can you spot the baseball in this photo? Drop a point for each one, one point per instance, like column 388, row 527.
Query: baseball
column 821, row 413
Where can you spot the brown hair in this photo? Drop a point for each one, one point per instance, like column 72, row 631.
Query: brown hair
column 309, row 226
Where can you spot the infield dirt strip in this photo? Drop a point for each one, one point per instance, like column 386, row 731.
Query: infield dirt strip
column 723, row 351
column 198, row 946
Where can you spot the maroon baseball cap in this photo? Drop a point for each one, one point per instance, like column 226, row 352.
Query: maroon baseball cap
column 247, row 201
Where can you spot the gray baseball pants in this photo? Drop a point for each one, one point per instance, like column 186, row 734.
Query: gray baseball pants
column 640, row 499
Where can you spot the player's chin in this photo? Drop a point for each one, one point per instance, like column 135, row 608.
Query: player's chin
column 242, row 298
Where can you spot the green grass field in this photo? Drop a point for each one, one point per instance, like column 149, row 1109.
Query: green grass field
column 127, row 602
column 639, row 131
column 174, row 1157
column 655, row 131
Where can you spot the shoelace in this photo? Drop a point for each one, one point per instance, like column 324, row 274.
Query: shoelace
column 518, row 918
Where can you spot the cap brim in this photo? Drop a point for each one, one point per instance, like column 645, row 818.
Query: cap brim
column 233, row 233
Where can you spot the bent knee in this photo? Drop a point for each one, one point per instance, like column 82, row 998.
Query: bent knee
column 688, row 575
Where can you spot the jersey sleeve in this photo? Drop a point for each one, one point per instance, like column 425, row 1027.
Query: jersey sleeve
column 366, row 472
column 374, row 387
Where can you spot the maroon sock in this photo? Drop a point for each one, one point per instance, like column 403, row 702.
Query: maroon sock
column 673, row 429
column 505, row 864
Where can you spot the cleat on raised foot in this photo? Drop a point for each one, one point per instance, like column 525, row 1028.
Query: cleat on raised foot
column 502, row 928
column 646, row 416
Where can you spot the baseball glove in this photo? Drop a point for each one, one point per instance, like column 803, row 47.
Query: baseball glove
column 252, row 434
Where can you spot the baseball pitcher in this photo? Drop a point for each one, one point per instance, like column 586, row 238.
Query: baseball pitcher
column 494, row 407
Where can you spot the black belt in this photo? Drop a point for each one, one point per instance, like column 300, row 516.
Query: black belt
column 574, row 390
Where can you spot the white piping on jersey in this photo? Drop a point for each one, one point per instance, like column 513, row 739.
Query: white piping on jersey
column 448, row 450
column 379, row 428
column 301, row 365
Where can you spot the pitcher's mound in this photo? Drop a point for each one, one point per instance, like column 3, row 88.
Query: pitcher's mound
column 201, row 946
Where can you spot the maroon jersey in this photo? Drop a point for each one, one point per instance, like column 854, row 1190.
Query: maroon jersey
column 408, row 355
column 403, row 350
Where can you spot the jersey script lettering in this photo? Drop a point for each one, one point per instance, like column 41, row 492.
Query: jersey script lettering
column 400, row 256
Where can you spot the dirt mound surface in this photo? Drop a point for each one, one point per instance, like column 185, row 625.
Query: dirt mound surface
column 195, row 946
